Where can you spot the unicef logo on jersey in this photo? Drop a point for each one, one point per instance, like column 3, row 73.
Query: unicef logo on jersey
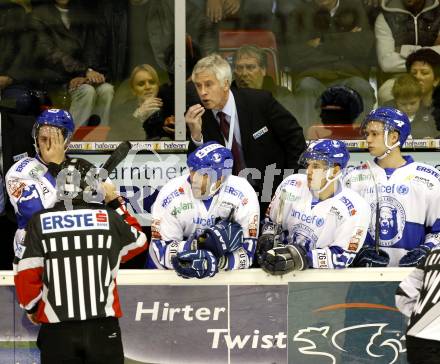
column 319, row 221
column 402, row 189
column 392, row 220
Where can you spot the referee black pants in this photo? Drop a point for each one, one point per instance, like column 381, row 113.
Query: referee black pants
column 422, row 351
column 96, row 341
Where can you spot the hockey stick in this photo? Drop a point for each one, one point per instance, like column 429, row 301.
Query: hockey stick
column 376, row 230
column 117, row 157
column 279, row 217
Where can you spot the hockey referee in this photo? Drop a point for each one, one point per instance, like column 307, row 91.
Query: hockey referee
column 66, row 273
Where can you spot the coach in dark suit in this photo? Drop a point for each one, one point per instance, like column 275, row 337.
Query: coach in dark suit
column 264, row 133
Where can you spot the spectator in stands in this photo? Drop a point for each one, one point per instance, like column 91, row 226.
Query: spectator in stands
column 407, row 93
column 264, row 134
column 340, row 106
column 70, row 49
column 156, row 114
column 436, row 107
column 372, row 7
column 140, row 31
column 16, row 66
column 424, row 65
column 138, row 117
column 216, row 10
column 330, row 42
column 403, row 27
column 250, row 70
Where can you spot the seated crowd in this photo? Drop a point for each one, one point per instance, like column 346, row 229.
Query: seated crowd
column 92, row 57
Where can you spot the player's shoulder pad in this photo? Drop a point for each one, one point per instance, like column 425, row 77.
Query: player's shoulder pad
column 294, row 181
column 359, row 202
column 24, row 166
column 238, row 188
column 425, row 170
column 173, row 189
column 348, row 202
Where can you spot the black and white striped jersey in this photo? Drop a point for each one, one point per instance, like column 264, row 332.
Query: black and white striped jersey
column 418, row 297
column 69, row 262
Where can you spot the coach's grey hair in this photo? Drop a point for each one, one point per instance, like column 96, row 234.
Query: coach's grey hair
column 217, row 65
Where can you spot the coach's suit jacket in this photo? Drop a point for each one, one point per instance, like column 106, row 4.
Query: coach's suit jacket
column 269, row 133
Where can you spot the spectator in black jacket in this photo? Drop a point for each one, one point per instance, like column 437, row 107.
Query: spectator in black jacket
column 70, row 51
column 329, row 44
column 17, row 71
column 250, row 70
column 140, row 31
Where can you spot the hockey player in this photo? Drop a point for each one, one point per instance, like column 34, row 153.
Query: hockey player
column 67, row 268
column 206, row 220
column 313, row 221
column 417, row 298
column 30, row 182
column 405, row 194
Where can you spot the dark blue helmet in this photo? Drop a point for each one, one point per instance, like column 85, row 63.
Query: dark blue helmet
column 211, row 156
column 329, row 150
column 58, row 118
column 392, row 119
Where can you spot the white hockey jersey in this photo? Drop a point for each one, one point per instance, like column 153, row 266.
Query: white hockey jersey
column 31, row 188
column 332, row 231
column 409, row 205
column 177, row 214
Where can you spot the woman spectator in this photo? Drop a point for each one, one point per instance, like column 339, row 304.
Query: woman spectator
column 424, row 65
column 138, row 116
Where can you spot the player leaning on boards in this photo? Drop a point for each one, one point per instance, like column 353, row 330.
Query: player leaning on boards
column 66, row 271
column 313, row 221
column 206, row 220
column 407, row 192
column 30, row 182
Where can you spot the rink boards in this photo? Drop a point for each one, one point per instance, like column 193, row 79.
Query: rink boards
column 242, row 317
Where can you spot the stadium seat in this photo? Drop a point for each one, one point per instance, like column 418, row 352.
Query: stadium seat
column 231, row 40
column 91, row 133
column 335, row 131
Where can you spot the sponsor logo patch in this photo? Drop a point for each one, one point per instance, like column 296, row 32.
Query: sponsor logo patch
column 77, row 220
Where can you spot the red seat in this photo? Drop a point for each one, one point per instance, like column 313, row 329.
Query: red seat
column 231, row 40
column 335, row 131
column 91, row 133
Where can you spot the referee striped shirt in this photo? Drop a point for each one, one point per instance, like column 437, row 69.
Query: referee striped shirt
column 68, row 265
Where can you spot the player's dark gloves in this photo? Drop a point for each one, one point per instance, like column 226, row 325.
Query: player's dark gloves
column 195, row 264
column 268, row 239
column 369, row 257
column 224, row 237
column 283, row 259
column 414, row 256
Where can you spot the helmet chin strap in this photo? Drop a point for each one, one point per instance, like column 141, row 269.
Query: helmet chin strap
column 389, row 147
column 212, row 191
column 329, row 180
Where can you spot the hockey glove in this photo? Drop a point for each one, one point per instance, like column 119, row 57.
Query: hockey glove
column 283, row 259
column 195, row 264
column 268, row 239
column 224, row 237
column 369, row 257
column 414, row 256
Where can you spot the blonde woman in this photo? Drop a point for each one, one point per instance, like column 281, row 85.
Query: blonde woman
column 138, row 115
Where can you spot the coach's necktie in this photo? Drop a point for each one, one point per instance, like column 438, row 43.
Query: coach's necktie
column 224, row 128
